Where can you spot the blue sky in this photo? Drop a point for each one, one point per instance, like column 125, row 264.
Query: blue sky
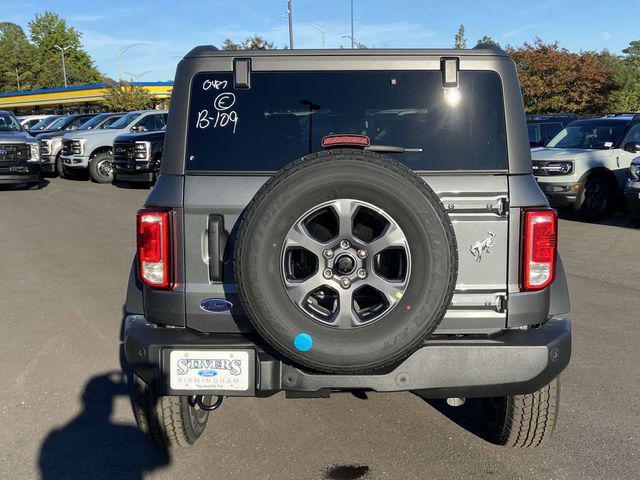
column 169, row 29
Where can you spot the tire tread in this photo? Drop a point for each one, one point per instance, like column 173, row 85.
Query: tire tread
column 530, row 419
column 161, row 418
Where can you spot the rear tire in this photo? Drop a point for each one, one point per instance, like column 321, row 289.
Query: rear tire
column 101, row 168
column 166, row 421
column 523, row 421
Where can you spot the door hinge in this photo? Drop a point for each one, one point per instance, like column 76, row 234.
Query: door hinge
column 502, row 302
column 503, row 206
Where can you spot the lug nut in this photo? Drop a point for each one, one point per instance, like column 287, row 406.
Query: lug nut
column 327, row 273
column 345, row 244
column 345, row 282
column 362, row 273
column 328, row 253
column 362, row 253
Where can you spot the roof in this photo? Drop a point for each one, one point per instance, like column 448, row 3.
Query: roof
column 609, row 119
column 80, row 87
column 484, row 50
column 77, row 94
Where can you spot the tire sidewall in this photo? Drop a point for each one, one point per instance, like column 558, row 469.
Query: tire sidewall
column 96, row 175
column 60, row 166
column 586, row 211
column 429, row 288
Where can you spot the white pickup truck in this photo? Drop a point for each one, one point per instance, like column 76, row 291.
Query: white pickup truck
column 93, row 149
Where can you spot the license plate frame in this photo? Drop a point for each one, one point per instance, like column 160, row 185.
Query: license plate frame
column 215, row 371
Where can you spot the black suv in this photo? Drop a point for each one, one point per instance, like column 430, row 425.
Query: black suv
column 338, row 220
column 137, row 156
column 543, row 128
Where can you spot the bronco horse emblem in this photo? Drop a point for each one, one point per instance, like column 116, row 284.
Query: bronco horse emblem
column 481, row 246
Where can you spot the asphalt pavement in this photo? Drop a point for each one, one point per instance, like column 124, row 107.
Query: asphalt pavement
column 65, row 254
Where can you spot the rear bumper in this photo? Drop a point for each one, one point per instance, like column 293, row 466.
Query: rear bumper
column 514, row 362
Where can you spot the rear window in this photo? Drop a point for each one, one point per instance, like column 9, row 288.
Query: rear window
column 285, row 115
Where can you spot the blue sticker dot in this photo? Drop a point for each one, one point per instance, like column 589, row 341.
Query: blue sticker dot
column 303, row 342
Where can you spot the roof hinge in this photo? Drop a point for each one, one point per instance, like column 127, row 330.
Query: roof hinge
column 502, row 301
column 503, row 206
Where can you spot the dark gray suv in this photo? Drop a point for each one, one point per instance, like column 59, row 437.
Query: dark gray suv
column 330, row 221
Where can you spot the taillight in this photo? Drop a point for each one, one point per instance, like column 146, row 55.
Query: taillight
column 345, row 140
column 539, row 248
column 153, row 234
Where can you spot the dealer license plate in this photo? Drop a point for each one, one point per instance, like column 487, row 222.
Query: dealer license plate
column 209, row 370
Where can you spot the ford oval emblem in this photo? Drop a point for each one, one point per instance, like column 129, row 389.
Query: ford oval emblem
column 216, row 305
column 3, row 152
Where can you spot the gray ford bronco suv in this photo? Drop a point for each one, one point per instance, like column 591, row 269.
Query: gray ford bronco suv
column 331, row 221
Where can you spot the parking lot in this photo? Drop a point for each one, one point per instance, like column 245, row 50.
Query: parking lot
column 66, row 252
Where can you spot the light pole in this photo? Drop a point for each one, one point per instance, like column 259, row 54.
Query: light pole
column 64, row 68
column 321, row 29
column 352, row 38
column 136, row 76
column 354, row 42
column 121, row 51
column 290, row 17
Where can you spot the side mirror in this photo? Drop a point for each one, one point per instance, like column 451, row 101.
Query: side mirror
column 633, row 147
column 135, row 128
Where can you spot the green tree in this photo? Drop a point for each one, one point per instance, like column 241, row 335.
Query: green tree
column 626, row 75
column 256, row 42
column 632, row 53
column 48, row 30
column 459, row 39
column 16, row 59
column 125, row 96
column 488, row 41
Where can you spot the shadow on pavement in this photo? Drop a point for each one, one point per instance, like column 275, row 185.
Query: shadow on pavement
column 132, row 185
column 619, row 218
column 91, row 446
column 23, row 186
column 471, row 416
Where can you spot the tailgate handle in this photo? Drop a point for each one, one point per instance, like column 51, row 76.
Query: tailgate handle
column 217, row 243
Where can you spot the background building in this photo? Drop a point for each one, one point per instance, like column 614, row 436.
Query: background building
column 79, row 98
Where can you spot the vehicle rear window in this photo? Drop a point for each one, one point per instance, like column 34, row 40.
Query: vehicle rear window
column 285, row 115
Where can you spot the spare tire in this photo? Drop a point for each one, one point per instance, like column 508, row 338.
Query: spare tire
column 345, row 261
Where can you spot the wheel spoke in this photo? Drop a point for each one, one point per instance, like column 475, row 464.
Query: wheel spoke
column 345, row 209
column 299, row 290
column 392, row 291
column 345, row 316
column 298, row 237
column 392, row 237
